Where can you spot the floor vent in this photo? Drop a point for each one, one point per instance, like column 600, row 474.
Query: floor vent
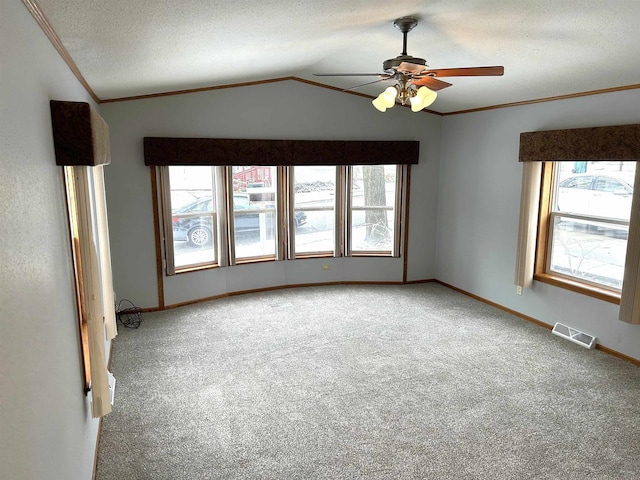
column 574, row 335
column 280, row 306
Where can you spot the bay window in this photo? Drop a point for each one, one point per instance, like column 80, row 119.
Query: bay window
column 221, row 202
column 222, row 216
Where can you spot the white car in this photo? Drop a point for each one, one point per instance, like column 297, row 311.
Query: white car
column 596, row 194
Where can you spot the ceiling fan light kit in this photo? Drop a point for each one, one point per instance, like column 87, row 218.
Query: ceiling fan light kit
column 416, row 82
column 386, row 99
column 419, row 99
column 423, row 98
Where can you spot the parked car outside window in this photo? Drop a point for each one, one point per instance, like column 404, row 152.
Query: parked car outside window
column 597, row 195
column 197, row 229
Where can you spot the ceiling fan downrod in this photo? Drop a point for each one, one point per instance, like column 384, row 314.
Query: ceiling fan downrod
column 405, row 25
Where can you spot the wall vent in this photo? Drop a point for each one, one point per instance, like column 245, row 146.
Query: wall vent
column 573, row 335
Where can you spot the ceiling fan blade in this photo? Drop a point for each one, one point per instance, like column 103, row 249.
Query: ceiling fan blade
column 349, row 74
column 368, row 83
column 466, row 72
column 431, row 82
column 411, row 68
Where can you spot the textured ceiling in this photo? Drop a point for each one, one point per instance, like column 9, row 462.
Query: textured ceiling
column 547, row 47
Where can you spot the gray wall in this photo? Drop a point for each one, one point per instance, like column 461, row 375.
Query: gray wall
column 479, row 200
column 45, row 427
column 284, row 110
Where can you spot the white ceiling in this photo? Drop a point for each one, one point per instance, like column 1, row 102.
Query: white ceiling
column 547, row 47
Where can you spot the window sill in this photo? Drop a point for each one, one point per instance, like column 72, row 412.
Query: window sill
column 249, row 260
column 578, row 287
column 308, row 255
column 195, row 268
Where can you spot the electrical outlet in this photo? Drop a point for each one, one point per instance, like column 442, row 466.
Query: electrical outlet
column 325, row 266
column 519, row 290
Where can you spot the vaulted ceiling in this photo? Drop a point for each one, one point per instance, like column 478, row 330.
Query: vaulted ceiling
column 548, row 48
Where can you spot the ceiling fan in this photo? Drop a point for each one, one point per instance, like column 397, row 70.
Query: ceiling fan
column 416, row 82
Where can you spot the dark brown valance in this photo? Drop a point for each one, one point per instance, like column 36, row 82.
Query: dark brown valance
column 598, row 143
column 237, row 151
column 80, row 135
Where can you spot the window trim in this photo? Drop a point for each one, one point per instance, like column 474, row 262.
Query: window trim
column 544, row 238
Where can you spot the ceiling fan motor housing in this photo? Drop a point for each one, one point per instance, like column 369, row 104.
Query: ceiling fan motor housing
column 392, row 64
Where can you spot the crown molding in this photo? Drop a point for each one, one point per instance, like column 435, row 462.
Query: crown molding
column 46, row 27
column 547, row 99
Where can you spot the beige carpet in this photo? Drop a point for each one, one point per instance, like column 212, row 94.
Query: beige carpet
column 346, row 382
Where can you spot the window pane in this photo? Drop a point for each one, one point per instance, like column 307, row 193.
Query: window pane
column 314, row 209
column 193, row 215
column 589, row 250
column 600, row 189
column 373, row 236
column 254, row 211
column 590, row 223
column 373, row 194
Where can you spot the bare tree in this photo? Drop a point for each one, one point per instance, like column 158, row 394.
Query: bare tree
column 375, row 196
